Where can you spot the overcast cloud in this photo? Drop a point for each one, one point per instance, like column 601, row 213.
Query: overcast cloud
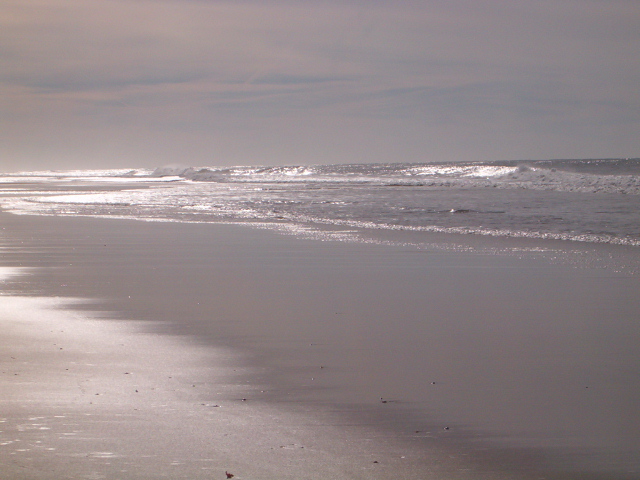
column 134, row 83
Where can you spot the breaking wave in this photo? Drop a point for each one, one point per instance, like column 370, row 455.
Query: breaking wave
column 594, row 201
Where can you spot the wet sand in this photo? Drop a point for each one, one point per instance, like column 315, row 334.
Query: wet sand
column 142, row 350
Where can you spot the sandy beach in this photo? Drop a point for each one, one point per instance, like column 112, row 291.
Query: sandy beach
column 160, row 350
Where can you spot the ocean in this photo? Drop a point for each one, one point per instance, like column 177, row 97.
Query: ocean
column 589, row 201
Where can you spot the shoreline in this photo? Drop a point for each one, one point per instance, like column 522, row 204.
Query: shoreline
column 99, row 253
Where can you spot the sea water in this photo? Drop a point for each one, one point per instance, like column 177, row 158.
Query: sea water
column 593, row 201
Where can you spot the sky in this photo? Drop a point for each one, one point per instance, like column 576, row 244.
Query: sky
column 145, row 83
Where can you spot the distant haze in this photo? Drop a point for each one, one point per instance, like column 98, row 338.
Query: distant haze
column 142, row 83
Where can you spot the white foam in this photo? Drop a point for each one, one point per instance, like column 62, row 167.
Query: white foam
column 300, row 195
column 562, row 181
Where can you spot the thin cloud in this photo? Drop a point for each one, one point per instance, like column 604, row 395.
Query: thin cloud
column 375, row 81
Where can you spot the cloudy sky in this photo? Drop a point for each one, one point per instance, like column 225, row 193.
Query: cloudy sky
column 142, row 83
